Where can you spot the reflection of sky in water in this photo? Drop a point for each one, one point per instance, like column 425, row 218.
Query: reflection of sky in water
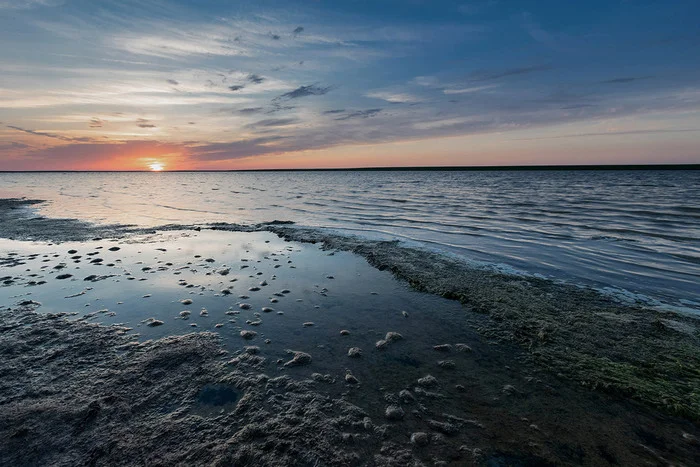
column 334, row 291
column 630, row 230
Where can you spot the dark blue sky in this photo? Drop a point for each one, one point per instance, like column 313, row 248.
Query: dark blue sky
column 219, row 84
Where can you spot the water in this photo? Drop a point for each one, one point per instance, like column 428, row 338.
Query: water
column 634, row 234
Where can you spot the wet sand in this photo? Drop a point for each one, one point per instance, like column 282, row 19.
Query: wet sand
column 102, row 365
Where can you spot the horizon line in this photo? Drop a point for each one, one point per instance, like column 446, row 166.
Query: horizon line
column 474, row 168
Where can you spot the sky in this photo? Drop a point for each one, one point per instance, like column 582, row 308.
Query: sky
column 209, row 84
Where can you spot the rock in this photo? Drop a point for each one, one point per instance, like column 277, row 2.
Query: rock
column 267, row 309
column 308, row 324
column 354, row 352
column 447, row 364
column 251, row 349
column 427, row 381
column 443, row 427
column 152, row 322
column 203, row 312
column 248, row 335
column 393, row 337
column 244, row 306
column 114, row 248
column 443, row 347
column 350, row 379
column 209, row 260
column 225, row 292
column 285, row 291
column 263, row 283
column 72, row 252
column 300, row 358
column 420, row 439
column 406, row 397
column 388, row 339
column 381, row 344
column 394, row 413
column 463, row 348
column 509, row 390
column 254, row 289
column 186, row 301
column 405, row 314
column 224, row 271
column 344, row 332
column 257, row 322
column 64, row 276
column 185, row 314
column 219, row 325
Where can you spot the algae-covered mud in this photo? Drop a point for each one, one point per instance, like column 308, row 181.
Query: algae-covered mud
column 274, row 345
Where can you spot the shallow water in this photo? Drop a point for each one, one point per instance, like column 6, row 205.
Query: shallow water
column 504, row 405
column 635, row 234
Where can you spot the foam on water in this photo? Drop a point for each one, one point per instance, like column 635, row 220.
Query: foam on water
column 630, row 233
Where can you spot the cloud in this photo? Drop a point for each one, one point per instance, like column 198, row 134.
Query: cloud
column 236, row 87
column 256, row 79
column 273, row 122
column 298, row 30
column 627, row 79
column 303, row 91
column 275, row 37
column 612, row 133
column 250, row 110
column 144, row 123
column 394, row 97
column 49, row 135
column 360, row 114
column 173, row 82
column 335, row 111
column 27, row 4
column 491, row 75
column 471, row 89
column 96, row 122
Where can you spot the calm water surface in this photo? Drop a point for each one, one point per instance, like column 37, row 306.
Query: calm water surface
column 632, row 233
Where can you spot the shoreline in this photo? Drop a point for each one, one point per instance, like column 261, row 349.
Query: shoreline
column 545, row 317
column 537, row 346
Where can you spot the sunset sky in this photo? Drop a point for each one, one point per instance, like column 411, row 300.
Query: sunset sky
column 139, row 85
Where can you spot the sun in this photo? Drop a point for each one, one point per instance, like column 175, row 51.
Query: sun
column 156, row 166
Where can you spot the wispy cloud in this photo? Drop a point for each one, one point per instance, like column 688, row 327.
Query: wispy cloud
column 304, row 91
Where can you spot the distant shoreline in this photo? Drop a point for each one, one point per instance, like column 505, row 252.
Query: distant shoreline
column 491, row 168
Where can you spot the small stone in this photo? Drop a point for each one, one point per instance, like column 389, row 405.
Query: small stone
column 219, row 325
column 300, row 358
column 420, row 439
column 428, row 381
column 381, row 344
column 251, row 349
column 154, row 322
column 406, row 397
column 186, row 301
column 463, row 348
column 393, row 337
column 263, row 283
column 443, row 427
column 114, row 248
column 254, row 289
column 405, row 314
column 350, row 379
column 447, row 364
column 64, row 276
column 244, row 306
column 394, row 413
column 308, row 324
column 185, row 314
column 248, row 335
column 267, row 309
column 443, row 348
column 354, row 352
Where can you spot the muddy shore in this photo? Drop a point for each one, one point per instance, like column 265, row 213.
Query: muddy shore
column 555, row 374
